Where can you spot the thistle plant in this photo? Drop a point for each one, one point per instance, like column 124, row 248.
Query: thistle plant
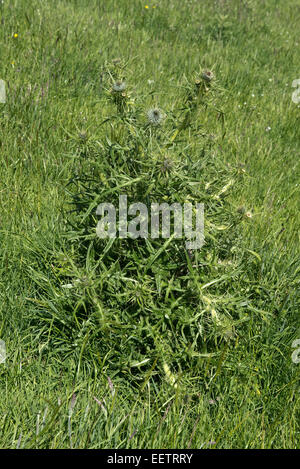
column 140, row 161
column 146, row 292
column 119, row 95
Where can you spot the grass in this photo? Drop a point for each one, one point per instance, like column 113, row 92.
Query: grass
column 152, row 347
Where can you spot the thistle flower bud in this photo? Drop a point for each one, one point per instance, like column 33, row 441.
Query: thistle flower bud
column 155, row 116
column 119, row 86
column 207, row 75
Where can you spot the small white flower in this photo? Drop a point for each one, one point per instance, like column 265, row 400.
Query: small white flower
column 119, row 86
column 268, row 129
column 150, row 82
column 155, row 116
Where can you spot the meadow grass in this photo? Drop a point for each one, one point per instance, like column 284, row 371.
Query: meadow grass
column 152, row 347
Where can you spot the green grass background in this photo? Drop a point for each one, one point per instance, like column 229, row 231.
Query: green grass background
column 237, row 393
